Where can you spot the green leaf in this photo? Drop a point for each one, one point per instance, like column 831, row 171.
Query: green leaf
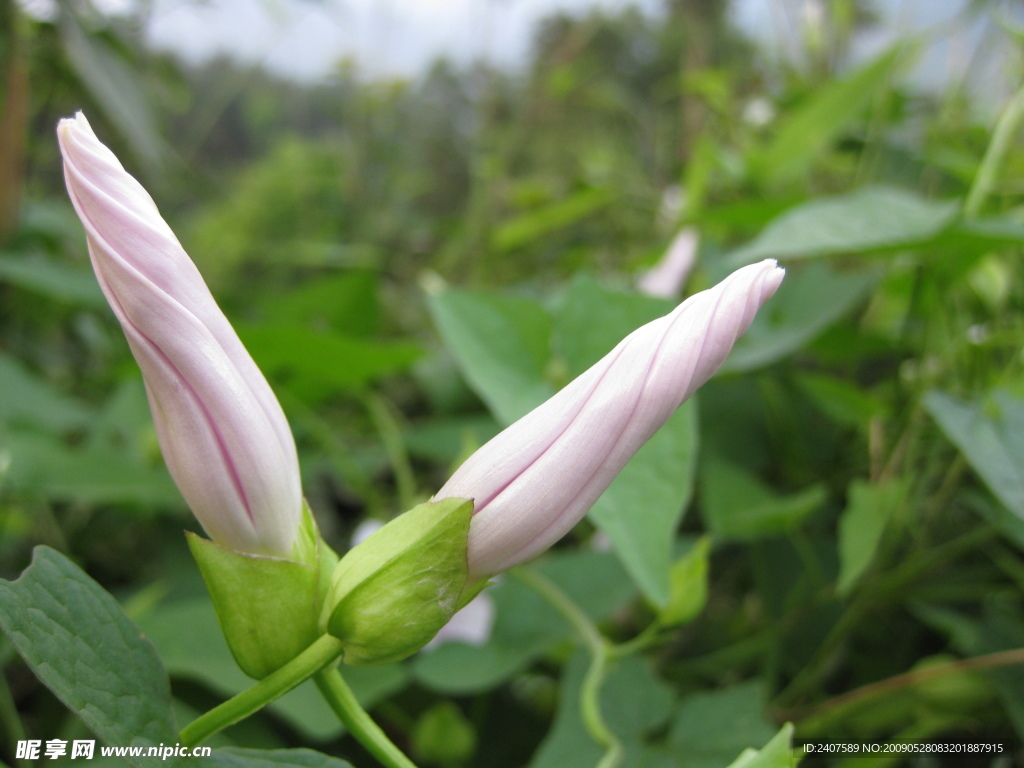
column 31, row 400
column 634, row 703
column 502, row 345
column 347, row 303
column 318, row 364
column 710, row 728
column 777, row 753
column 233, row 757
column 525, row 624
column 843, row 400
column 81, row 645
column 869, row 219
column 641, row 509
column 868, row 510
column 993, row 231
column 688, row 591
column 1000, row 629
column 92, row 473
column 446, row 439
column 117, row 87
column 737, row 506
column 822, row 118
column 808, row 301
column 533, row 225
column 1003, row 630
column 583, row 334
column 993, row 445
column 53, row 279
column 391, row 593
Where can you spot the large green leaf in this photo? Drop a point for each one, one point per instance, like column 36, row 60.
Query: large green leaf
column 317, row 364
column 642, row 507
column 31, row 400
column 53, row 279
column 347, row 303
column 869, row 219
column 116, row 462
column 92, row 473
column 822, row 118
column 1003, row 630
column 445, row 440
column 633, row 700
column 777, row 753
column 526, row 625
column 868, row 510
column 737, row 506
column 808, row 301
column 233, row 757
column 709, row 729
column 592, row 319
column 81, row 645
column 502, row 345
column 992, row 440
column 1000, row 628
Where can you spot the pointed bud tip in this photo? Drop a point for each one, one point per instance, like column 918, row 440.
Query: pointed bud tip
column 67, row 124
column 773, row 278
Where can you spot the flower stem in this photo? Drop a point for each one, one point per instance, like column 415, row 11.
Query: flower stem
column 648, row 637
column 601, row 654
column 341, row 699
column 317, row 656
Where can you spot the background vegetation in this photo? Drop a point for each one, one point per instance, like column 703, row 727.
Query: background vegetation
column 415, row 264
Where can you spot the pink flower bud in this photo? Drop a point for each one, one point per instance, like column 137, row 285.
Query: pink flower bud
column 537, row 479
column 223, row 434
column 665, row 279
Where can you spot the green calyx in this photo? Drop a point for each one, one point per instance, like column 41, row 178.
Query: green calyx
column 392, row 593
column 268, row 607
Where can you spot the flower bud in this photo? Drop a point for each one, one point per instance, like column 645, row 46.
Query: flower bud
column 393, row 592
column 665, row 279
column 533, row 482
column 224, row 437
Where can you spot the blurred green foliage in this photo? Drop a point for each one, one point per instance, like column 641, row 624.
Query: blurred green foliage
column 414, row 264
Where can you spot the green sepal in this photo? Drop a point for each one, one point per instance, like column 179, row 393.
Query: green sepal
column 268, row 607
column 393, row 592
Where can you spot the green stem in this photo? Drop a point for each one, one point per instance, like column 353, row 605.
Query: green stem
column 601, row 653
column 341, row 699
column 9, row 718
column 648, row 637
column 391, row 435
column 1002, row 138
column 590, row 711
column 321, row 653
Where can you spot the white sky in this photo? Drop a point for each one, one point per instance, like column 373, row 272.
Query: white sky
column 306, row 39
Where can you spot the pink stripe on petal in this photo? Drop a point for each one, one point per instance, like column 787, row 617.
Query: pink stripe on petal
column 533, row 482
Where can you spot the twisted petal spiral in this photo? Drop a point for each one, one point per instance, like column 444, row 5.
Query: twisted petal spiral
column 223, row 434
column 537, row 479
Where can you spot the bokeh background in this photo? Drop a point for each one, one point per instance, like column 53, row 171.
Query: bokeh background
column 425, row 217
